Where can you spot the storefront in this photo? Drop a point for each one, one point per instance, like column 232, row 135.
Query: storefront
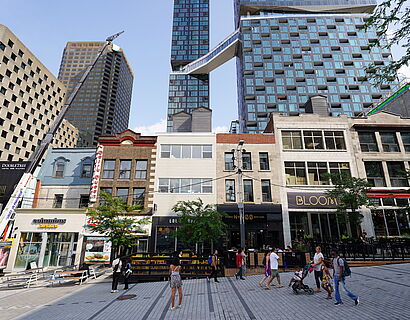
column 47, row 237
column 314, row 215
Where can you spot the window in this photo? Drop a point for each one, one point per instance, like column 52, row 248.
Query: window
column 58, row 201
column 59, row 168
column 248, row 190
column 375, row 174
column 342, row 169
column 86, row 169
column 292, row 140
column 266, row 191
column 264, row 160
column 84, row 200
column 313, row 139
column 246, row 161
column 186, row 151
column 109, row 168
column 230, row 190
column 229, row 161
column 397, row 174
column 368, row 142
column 122, row 193
column 138, row 196
column 295, row 173
column 316, row 172
column 335, row 140
column 141, row 170
column 185, row 185
column 105, row 189
column 405, row 137
column 165, row 151
column 389, row 142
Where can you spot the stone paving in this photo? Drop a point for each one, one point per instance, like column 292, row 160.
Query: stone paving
column 384, row 294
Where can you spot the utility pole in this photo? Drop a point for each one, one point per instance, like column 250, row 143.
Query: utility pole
column 241, row 208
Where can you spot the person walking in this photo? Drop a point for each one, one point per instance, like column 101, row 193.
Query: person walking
column 127, row 272
column 116, row 268
column 274, row 266
column 240, row 260
column 214, row 267
column 317, row 267
column 338, row 268
column 266, row 267
column 327, row 279
column 175, row 282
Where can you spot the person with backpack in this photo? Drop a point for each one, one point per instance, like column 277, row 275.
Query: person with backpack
column 126, row 272
column 240, row 263
column 214, row 266
column 341, row 270
column 116, row 268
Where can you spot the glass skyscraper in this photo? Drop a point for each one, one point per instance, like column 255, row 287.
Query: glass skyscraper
column 295, row 49
column 190, row 41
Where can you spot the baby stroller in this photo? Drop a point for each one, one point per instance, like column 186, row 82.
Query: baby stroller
column 295, row 286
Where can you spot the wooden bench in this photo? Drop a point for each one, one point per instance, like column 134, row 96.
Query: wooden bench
column 22, row 279
column 69, row 276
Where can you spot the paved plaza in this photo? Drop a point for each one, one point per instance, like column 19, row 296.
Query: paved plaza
column 384, row 294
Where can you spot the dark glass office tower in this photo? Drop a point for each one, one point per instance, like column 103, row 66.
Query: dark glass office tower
column 190, row 40
column 295, row 49
column 102, row 106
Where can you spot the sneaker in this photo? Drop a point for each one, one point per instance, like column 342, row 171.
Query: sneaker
column 280, row 286
column 236, row 276
column 317, row 290
column 356, row 302
column 242, row 278
column 172, row 309
column 216, row 281
column 179, row 306
column 207, row 279
column 338, row 303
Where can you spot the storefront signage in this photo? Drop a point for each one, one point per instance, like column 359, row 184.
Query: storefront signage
column 49, row 223
column 96, row 174
column 248, row 217
column 298, row 200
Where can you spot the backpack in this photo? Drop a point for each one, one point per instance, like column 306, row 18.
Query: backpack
column 209, row 260
column 346, row 270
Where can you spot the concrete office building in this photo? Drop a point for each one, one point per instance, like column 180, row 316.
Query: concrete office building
column 102, row 106
column 30, row 100
column 190, row 40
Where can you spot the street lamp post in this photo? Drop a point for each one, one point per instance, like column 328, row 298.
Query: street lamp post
column 239, row 167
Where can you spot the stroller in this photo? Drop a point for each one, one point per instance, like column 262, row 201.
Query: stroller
column 295, row 286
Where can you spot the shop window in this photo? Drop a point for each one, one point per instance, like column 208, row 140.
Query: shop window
column 141, row 170
column 341, row 169
column 229, row 161
column 368, row 142
column 29, row 248
column 389, row 142
column 263, row 161
column 335, row 140
column 295, row 173
column 292, row 140
column 86, row 168
column 230, row 190
column 138, row 196
column 122, row 193
column 109, row 168
column 248, row 190
column 59, row 168
column 246, row 161
column 84, row 201
column 374, row 173
column 405, row 137
column 316, row 173
column 266, row 191
column 125, row 169
column 58, row 201
column 397, row 173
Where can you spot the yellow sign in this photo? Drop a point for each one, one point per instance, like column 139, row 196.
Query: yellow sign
column 48, row 226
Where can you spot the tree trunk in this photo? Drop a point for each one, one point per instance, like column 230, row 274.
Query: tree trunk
column 212, row 246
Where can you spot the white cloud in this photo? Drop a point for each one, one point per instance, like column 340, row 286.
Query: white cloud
column 153, row 129
column 405, row 71
column 220, row 129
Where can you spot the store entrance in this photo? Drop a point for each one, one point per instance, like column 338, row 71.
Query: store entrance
column 60, row 249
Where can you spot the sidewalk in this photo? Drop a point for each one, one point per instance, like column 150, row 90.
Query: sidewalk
column 384, row 294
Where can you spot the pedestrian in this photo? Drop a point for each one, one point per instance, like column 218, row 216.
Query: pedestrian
column 266, row 267
column 116, row 267
column 240, row 260
column 274, row 266
column 317, row 267
column 127, row 272
column 327, row 279
column 175, row 282
column 214, row 266
column 338, row 269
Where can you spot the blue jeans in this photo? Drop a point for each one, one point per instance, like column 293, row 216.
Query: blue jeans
column 337, row 292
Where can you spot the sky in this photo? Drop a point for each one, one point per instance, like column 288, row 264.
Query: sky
column 45, row 26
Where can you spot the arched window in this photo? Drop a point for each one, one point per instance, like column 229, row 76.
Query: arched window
column 86, row 167
column 59, row 168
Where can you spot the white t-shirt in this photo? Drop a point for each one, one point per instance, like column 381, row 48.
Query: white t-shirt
column 274, row 261
column 115, row 262
column 316, row 260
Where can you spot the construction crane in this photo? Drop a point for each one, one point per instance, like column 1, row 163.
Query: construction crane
column 7, row 216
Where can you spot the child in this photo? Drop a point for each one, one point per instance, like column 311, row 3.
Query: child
column 327, row 279
column 297, row 278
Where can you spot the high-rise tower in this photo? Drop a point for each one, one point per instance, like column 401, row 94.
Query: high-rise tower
column 102, row 106
column 190, row 41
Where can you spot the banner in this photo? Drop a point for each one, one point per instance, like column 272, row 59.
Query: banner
column 96, row 174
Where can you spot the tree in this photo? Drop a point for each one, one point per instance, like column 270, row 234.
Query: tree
column 113, row 218
column 351, row 194
column 199, row 222
column 391, row 20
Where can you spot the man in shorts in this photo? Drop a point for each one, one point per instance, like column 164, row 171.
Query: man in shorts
column 274, row 266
